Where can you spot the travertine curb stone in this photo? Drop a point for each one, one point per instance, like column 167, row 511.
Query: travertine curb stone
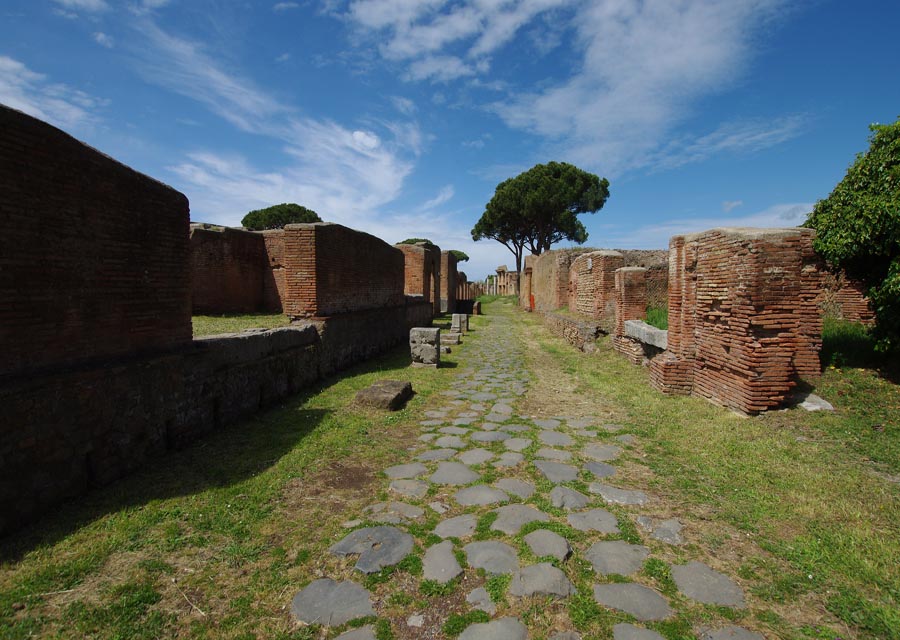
column 513, row 517
column 565, row 498
column 556, row 472
column 618, row 496
column 730, row 632
column 703, row 584
column 542, row 579
column 331, row 603
column 492, row 556
column 385, row 394
column 594, row 520
column 480, row 494
column 378, row 547
column 453, row 473
column 616, row 556
column 502, row 629
column 411, row 470
column 544, row 542
column 409, row 488
column 440, row 564
column 625, row 631
column 459, row 527
column 518, row 488
column 635, row 599
column 363, row 633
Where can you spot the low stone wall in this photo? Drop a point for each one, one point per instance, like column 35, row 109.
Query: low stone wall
column 579, row 332
column 80, row 428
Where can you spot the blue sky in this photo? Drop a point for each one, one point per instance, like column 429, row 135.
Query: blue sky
column 399, row 117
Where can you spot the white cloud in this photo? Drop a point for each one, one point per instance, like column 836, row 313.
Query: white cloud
column 103, row 39
column 285, row 6
column 439, row 69
column 656, row 235
column 444, row 195
column 729, row 205
column 284, row 57
column 83, row 5
column 404, row 105
column 478, row 143
column 31, row 92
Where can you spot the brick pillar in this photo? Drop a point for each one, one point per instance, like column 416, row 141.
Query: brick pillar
column 448, row 282
column 630, row 304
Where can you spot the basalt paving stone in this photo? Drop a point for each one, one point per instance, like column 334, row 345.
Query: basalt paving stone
column 483, row 397
column 490, row 436
column 509, row 459
column 504, row 409
column 439, row 563
column 480, row 494
column 492, row 556
column 463, row 421
column 435, row 414
column 409, row 488
column 363, row 633
column 703, row 584
column 565, row 498
column 601, row 452
column 544, row 542
column 566, row 635
column 517, row 444
column 450, row 393
column 594, row 520
column 459, row 527
column 411, row 470
column 635, row 599
column 378, row 547
column 481, row 599
column 432, row 423
column 331, row 603
column 668, row 531
column 453, row 431
column 600, row 469
column 518, row 488
column 616, row 556
column 540, row 579
column 618, row 496
column 556, row 472
column 625, row 631
column 477, row 407
column 548, row 423
column 730, row 632
column 584, row 433
column 436, row 454
column 468, row 414
column 490, row 426
column 554, row 454
column 516, row 428
column 556, row 439
column 475, row 456
column 453, row 442
column 496, row 417
column 513, row 517
column 612, row 428
column 502, row 629
column 626, row 439
column 427, row 437
column 580, row 423
column 393, row 512
column 453, row 473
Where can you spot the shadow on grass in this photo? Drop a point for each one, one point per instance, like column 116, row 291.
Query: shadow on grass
column 850, row 344
column 224, row 458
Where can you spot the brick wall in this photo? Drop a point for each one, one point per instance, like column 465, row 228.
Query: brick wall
column 448, row 282
column 744, row 323
column 228, row 270
column 630, row 304
column 331, row 269
column 422, row 272
column 274, row 288
column 592, row 285
column 550, row 279
column 845, row 298
column 658, row 285
column 93, row 255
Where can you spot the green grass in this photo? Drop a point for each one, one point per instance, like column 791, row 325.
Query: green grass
column 235, row 523
column 234, row 323
column 811, row 493
column 658, row 317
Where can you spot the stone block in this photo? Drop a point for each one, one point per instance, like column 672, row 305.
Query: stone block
column 385, row 394
column 425, row 346
column 648, row 334
column 451, row 338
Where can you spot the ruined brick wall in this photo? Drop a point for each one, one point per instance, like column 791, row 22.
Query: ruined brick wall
column 579, row 332
column 274, row 282
column 592, row 286
column 331, row 269
column 93, row 255
column 550, row 278
column 527, row 289
column 658, row 285
column 448, row 282
column 630, row 304
column 744, row 323
column 228, row 270
column 845, row 298
column 422, row 271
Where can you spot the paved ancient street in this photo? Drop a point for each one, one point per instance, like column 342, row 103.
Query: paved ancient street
column 525, row 496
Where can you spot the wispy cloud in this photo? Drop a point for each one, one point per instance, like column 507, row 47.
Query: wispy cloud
column 284, row 57
column 31, row 92
column 104, row 40
column 729, row 205
column 83, row 5
column 439, row 69
column 444, row 195
column 285, row 6
column 404, row 105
